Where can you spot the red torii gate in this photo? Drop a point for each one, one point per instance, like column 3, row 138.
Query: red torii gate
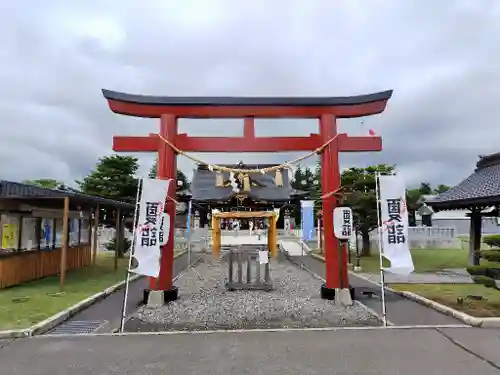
column 326, row 109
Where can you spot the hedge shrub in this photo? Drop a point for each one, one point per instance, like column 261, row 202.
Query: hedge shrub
column 486, row 275
column 493, row 272
column 125, row 246
column 484, row 280
column 492, row 240
column 491, row 255
column 477, row 270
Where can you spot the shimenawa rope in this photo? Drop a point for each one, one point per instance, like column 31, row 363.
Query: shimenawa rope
column 239, row 170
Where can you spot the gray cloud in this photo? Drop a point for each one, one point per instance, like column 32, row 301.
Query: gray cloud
column 441, row 58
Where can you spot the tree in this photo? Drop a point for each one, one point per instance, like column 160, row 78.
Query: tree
column 425, row 188
column 414, row 195
column 359, row 186
column 316, row 191
column 47, row 183
column 304, row 180
column 113, row 178
column 441, row 189
column 297, row 176
column 185, row 184
column 412, row 198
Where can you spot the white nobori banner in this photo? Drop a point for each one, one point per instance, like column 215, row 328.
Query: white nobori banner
column 147, row 253
column 394, row 228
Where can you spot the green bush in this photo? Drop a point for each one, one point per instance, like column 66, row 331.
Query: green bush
column 484, row 280
column 477, row 270
column 492, row 240
column 493, row 272
column 126, row 244
column 491, row 255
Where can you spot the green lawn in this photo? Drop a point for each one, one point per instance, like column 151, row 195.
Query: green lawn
column 447, row 294
column 425, row 260
column 39, row 305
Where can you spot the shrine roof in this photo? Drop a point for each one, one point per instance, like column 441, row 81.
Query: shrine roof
column 481, row 188
column 203, row 186
column 246, row 101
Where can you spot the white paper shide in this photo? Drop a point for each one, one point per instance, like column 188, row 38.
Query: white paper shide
column 263, row 257
column 343, row 223
column 147, row 253
column 394, row 220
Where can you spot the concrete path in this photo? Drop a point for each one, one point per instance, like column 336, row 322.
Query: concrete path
column 345, row 352
column 108, row 311
column 400, row 311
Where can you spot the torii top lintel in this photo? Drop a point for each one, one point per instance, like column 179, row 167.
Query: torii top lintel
column 263, row 107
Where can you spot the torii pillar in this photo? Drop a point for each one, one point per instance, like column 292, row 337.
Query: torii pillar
column 326, row 109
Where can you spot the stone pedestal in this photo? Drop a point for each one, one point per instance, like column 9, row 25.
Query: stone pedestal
column 155, row 298
column 343, row 297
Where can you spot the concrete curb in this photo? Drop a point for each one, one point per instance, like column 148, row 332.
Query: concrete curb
column 466, row 318
column 318, row 257
column 60, row 317
column 255, row 330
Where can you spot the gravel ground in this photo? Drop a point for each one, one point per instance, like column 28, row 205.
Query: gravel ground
column 204, row 303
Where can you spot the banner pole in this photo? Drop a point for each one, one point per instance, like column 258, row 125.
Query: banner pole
column 189, row 232
column 131, row 251
column 380, row 250
column 318, row 240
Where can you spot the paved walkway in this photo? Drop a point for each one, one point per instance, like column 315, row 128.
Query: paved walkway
column 108, row 311
column 400, row 311
column 375, row 352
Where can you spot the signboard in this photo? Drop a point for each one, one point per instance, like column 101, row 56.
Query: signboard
column 342, row 223
column 9, row 236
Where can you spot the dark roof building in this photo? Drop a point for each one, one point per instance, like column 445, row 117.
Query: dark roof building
column 240, row 191
column 48, row 231
column 212, row 186
column 478, row 191
column 44, row 196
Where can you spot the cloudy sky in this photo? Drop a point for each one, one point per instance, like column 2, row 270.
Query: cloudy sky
column 442, row 58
